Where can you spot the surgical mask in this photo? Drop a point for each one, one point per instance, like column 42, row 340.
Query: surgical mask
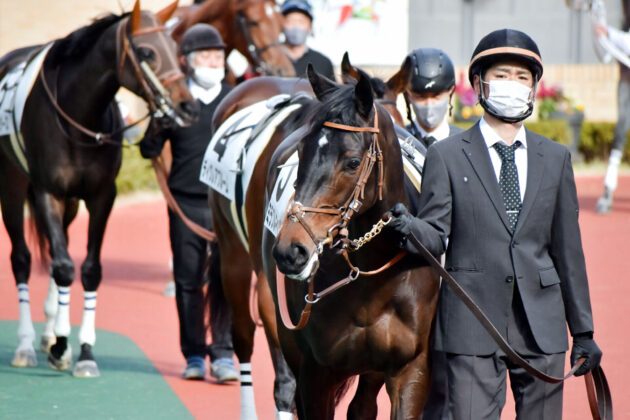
column 207, row 77
column 431, row 115
column 508, row 97
column 295, row 36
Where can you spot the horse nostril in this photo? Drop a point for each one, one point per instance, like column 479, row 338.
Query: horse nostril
column 291, row 259
column 299, row 254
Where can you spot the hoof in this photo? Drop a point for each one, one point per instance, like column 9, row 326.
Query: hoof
column 46, row 343
column 86, row 369
column 62, row 363
column 24, row 358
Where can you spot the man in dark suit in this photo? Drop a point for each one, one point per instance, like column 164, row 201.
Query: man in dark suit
column 501, row 201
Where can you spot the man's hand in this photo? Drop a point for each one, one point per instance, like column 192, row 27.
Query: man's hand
column 601, row 30
column 402, row 219
column 585, row 346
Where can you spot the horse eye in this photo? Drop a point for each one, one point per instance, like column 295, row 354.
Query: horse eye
column 353, row 164
column 145, row 54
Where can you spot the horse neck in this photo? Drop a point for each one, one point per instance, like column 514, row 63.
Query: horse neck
column 86, row 86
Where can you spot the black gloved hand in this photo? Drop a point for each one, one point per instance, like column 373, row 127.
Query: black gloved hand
column 402, row 219
column 585, row 346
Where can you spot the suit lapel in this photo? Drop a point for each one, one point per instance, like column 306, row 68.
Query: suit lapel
column 476, row 152
column 535, row 169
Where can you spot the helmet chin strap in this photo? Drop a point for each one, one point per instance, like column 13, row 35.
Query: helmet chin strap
column 495, row 113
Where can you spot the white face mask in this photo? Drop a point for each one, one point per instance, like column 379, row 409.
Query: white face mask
column 431, row 116
column 207, row 77
column 508, row 97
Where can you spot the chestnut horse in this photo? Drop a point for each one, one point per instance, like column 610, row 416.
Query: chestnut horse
column 236, row 277
column 67, row 147
column 252, row 27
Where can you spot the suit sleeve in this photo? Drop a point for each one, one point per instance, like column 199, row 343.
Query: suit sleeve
column 568, row 256
column 434, row 210
column 153, row 141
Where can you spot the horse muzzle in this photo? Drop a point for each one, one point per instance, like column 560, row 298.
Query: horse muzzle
column 295, row 262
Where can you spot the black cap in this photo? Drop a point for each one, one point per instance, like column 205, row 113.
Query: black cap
column 433, row 71
column 505, row 44
column 201, row 36
column 300, row 6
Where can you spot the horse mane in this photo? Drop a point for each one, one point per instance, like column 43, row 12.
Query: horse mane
column 378, row 86
column 78, row 42
column 337, row 106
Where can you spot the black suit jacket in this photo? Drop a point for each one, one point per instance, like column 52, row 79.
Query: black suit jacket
column 461, row 200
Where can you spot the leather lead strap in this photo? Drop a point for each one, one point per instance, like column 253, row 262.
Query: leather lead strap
column 601, row 407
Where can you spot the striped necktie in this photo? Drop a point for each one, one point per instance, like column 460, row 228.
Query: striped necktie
column 508, row 181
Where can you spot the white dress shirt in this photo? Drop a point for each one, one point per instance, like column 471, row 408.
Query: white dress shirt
column 204, row 95
column 520, row 154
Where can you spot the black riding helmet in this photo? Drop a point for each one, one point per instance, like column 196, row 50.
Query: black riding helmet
column 505, row 45
column 433, row 70
column 301, row 6
column 201, row 36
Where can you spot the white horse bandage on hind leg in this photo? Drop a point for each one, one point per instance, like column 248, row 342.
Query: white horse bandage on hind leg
column 283, row 415
column 610, row 181
column 26, row 332
column 62, row 320
column 87, row 334
column 50, row 308
column 248, row 405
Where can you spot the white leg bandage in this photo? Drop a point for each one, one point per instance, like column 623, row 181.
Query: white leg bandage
column 610, row 181
column 26, row 332
column 50, row 309
column 87, row 333
column 248, row 405
column 283, row 415
column 62, row 320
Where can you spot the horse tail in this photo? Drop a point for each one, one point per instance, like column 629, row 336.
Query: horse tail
column 37, row 228
column 217, row 310
column 342, row 390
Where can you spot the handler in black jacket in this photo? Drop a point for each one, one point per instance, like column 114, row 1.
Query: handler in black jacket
column 501, row 201
column 203, row 57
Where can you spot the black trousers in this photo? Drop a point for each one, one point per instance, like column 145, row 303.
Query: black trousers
column 190, row 254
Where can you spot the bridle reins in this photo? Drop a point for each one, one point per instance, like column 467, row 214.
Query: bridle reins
column 255, row 51
column 297, row 211
column 153, row 86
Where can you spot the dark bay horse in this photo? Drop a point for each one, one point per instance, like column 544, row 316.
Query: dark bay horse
column 379, row 323
column 252, row 27
column 247, row 251
column 67, row 147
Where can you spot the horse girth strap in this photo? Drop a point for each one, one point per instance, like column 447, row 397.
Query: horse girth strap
column 161, row 175
column 313, row 297
column 598, row 392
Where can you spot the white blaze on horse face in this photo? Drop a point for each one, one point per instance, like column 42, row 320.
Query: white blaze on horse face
column 323, row 141
column 308, row 270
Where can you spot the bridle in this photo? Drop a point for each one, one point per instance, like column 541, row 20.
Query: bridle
column 153, row 85
column 339, row 229
column 255, row 51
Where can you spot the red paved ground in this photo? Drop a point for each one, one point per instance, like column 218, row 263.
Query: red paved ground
column 135, row 256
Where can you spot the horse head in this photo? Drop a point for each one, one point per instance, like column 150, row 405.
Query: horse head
column 148, row 65
column 347, row 158
column 385, row 92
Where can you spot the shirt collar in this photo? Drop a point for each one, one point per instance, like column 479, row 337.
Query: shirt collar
column 491, row 137
column 202, row 94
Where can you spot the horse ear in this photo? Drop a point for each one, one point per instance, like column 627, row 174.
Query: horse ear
column 320, row 84
column 135, row 17
column 349, row 73
column 398, row 82
column 165, row 14
column 363, row 96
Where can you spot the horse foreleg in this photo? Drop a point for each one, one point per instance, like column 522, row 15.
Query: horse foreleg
column 363, row 405
column 409, row 388
column 12, row 196
column 316, row 388
column 99, row 208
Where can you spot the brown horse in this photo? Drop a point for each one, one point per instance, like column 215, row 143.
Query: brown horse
column 67, row 148
column 247, row 251
column 252, row 27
